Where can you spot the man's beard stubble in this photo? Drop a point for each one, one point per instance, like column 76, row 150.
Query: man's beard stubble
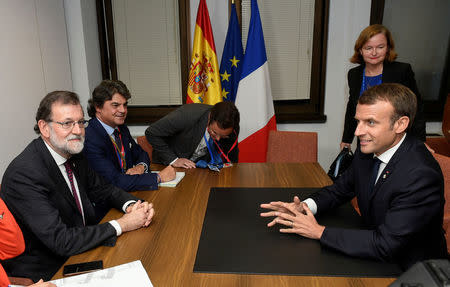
column 66, row 146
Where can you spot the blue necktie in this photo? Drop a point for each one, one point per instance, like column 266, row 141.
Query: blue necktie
column 375, row 167
column 215, row 159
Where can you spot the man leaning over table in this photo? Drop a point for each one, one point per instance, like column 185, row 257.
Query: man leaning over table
column 398, row 184
column 50, row 189
column 194, row 134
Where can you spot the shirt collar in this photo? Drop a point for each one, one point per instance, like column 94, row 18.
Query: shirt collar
column 59, row 159
column 387, row 155
column 207, row 135
column 109, row 130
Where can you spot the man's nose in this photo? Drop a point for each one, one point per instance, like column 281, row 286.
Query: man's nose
column 359, row 129
column 76, row 129
column 121, row 109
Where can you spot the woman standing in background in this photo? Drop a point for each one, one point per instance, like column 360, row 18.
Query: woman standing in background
column 374, row 51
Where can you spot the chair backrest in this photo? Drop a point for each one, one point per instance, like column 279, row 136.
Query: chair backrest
column 145, row 145
column 292, row 147
column 444, row 163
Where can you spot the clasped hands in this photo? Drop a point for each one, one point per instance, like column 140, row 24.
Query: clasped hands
column 295, row 215
column 138, row 215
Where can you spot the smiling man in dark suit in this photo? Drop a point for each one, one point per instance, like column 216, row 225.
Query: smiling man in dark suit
column 110, row 149
column 398, row 184
column 50, row 189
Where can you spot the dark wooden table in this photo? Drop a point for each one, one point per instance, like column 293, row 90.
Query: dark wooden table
column 167, row 248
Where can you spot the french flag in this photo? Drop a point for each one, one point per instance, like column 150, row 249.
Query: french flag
column 254, row 95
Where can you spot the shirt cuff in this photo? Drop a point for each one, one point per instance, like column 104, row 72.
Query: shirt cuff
column 124, row 207
column 145, row 166
column 116, row 226
column 173, row 161
column 311, row 205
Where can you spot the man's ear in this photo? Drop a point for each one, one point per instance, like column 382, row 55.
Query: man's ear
column 209, row 120
column 44, row 128
column 401, row 124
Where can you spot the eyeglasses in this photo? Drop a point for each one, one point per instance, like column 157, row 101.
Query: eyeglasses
column 216, row 134
column 71, row 124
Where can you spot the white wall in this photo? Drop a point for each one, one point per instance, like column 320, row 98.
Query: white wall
column 84, row 49
column 347, row 19
column 34, row 60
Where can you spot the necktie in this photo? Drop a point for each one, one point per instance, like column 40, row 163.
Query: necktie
column 117, row 139
column 215, row 156
column 72, row 186
column 211, row 142
column 375, row 167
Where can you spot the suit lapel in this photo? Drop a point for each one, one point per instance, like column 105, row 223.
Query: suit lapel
column 78, row 170
column 358, row 80
column 198, row 131
column 391, row 166
column 388, row 73
column 364, row 176
column 59, row 181
column 103, row 136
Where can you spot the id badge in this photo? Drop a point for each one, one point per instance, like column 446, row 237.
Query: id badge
column 213, row 167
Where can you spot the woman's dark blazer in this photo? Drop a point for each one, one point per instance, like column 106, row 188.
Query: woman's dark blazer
column 394, row 72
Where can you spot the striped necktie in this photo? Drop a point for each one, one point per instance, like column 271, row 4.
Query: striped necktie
column 117, row 139
column 69, row 171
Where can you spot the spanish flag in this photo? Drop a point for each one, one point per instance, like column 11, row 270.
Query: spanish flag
column 204, row 80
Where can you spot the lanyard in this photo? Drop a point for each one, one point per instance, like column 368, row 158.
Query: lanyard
column 223, row 154
column 120, row 153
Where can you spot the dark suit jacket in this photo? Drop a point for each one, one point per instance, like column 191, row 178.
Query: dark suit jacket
column 394, row 72
column 403, row 214
column 102, row 157
column 36, row 193
column 179, row 133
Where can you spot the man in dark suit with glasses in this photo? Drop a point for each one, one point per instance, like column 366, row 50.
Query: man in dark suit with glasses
column 51, row 191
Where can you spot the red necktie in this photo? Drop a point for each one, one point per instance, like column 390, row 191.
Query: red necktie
column 118, row 139
column 72, row 186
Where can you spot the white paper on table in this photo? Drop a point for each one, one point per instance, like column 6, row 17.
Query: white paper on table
column 178, row 177
column 128, row 274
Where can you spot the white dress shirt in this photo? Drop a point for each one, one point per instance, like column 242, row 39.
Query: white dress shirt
column 201, row 149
